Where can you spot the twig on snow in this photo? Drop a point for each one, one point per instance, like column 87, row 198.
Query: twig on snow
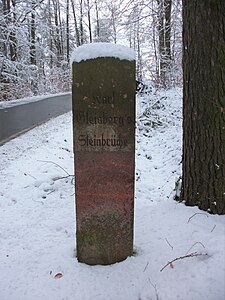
column 213, row 228
column 146, row 266
column 194, row 245
column 65, row 177
column 169, row 243
column 195, row 215
column 26, row 174
column 194, row 254
column 52, row 162
column 155, row 288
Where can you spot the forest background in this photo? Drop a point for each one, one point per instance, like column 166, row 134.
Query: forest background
column 38, row 36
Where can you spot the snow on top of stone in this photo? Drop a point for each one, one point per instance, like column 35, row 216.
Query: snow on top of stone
column 95, row 50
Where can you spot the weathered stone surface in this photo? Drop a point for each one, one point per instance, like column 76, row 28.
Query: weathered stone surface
column 104, row 146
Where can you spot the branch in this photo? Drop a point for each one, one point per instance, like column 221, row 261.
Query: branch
column 155, row 288
column 52, row 162
column 146, row 266
column 195, row 215
column 169, row 243
column 213, row 228
column 194, row 254
column 65, row 177
column 194, row 245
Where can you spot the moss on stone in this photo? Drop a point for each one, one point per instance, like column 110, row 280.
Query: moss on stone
column 103, row 237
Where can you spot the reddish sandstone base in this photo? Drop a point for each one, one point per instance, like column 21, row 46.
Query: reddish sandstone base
column 104, row 206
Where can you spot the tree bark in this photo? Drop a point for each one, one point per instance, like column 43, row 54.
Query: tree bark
column 61, row 37
column 57, row 39
column 81, row 23
column 75, row 24
column 33, row 60
column 97, row 21
column 50, row 33
column 89, row 20
column 33, row 37
column 5, row 15
column 203, row 181
column 13, row 42
column 165, row 7
column 67, row 33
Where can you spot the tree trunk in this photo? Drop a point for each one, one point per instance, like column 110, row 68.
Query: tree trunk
column 32, row 39
column 75, row 24
column 50, row 33
column 33, row 60
column 139, row 56
column 13, row 42
column 4, row 35
column 165, row 7
column 67, row 33
column 97, row 21
column 57, row 32
column 203, row 182
column 81, row 23
column 61, row 38
column 10, row 28
column 89, row 20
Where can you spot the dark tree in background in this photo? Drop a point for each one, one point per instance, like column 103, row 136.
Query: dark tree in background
column 203, row 182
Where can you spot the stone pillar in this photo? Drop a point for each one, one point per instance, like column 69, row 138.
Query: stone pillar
column 104, row 149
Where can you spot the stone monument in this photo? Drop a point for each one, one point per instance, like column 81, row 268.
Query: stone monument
column 104, row 150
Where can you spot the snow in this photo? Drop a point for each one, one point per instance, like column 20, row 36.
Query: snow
column 37, row 236
column 11, row 103
column 95, row 50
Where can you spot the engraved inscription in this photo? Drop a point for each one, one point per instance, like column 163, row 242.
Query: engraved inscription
column 104, row 100
column 104, row 118
column 113, row 141
column 96, row 124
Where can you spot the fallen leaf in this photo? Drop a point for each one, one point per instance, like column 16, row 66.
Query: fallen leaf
column 58, row 275
column 171, row 266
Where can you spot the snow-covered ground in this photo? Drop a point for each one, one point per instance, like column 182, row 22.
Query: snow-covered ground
column 37, row 221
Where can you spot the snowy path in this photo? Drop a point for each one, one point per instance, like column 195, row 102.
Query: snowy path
column 37, row 236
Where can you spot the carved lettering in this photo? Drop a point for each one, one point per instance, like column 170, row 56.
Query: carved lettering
column 85, row 118
column 102, row 100
column 87, row 140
